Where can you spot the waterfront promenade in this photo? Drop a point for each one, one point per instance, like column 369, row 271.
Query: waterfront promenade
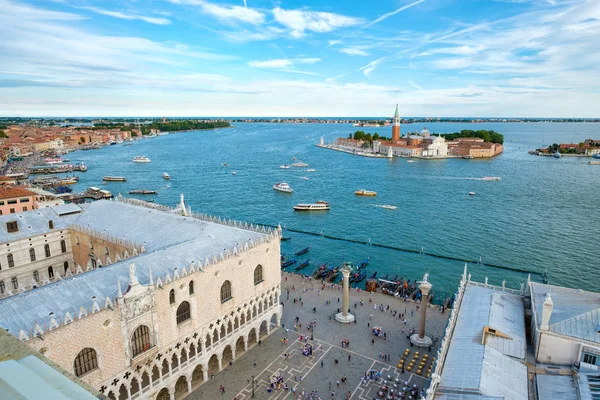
column 305, row 372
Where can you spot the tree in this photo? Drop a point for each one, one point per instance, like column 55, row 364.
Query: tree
column 3, row 135
column 375, row 136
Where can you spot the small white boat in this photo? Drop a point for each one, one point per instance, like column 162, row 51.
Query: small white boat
column 141, row 159
column 471, row 193
column 299, row 164
column 234, row 173
column 491, row 178
column 557, row 154
column 318, row 206
column 283, row 187
column 304, row 178
column 166, row 176
column 284, row 166
column 411, row 161
column 388, row 207
column 225, row 164
column 311, row 170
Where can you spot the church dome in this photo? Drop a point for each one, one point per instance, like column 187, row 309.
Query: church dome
column 425, row 132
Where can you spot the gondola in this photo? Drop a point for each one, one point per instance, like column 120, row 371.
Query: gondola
column 374, row 275
column 364, row 263
column 288, row 263
column 303, row 251
column 303, row 265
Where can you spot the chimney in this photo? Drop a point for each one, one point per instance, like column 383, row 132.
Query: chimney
column 546, row 312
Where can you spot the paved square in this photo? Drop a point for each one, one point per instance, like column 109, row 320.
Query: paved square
column 305, row 373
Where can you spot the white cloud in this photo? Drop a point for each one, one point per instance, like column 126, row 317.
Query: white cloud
column 414, row 85
column 227, row 12
column 386, row 16
column 353, row 51
column 300, row 21
column 370, row 67
column 120, row 15
column 285, row 64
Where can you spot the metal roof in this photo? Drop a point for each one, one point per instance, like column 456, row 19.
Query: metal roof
column 171, row 241
column 575, row 312
column 476, row 369
column 35, row 222
column 30, row 378
column 550, row 387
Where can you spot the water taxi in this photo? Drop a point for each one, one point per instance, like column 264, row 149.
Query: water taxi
column 388, row 207
column 299, row 164
column 283, row 187
column 114, row 179
column 166, row 176
column 142, row 191
column 141, row 159
column 491, row 178
column 318, row 206
column 284, row 166
column 363, row 192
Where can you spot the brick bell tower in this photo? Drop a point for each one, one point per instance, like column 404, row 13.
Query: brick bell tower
column 396, row 127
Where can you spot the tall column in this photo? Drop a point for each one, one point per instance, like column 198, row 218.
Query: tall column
column 345, row 317
column 420, row 339
column 205, row 373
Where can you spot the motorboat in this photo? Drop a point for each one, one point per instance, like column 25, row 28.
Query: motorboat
column 114, row 179
column 234, row 173
column 594, row 162
column 556, row 154
column 283, row 187
column 471, row 193
column 388, row 207
column 318, row 206
column 491, row 178
column 411, row 161
column 311, row 170
column 299, row 164
column 597, row 155
column 284, row 166
column 304, row 178
column 225, row 164
column 141, row 159
column 363, row 192
column 166, row 176
column 142, row 191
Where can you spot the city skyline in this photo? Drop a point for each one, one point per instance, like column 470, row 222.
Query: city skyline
column 522, row 58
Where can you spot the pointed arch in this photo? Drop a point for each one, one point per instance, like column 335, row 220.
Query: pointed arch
column 208, row 341
column 163, row 394
column 213, row 364
column 174, row 362
column 155, row 374
column 181, row 387
column 134, row 386
column 263, row 329
column 165, row 367
column 236, row 323
column 198, row 375
column 192, row 353
column 146, row 379
column 227, row 355
column 223, row 332
column 215, row 336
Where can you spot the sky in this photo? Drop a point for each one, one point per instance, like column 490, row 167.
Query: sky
column 346, row 58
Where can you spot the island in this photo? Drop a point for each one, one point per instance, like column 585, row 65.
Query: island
column 587, row 148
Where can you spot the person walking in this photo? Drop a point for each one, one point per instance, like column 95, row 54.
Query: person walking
column 349, row 357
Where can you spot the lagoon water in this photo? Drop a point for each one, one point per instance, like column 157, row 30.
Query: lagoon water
column 543, row 215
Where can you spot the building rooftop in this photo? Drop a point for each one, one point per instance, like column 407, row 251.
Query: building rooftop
column 170, row 241
column 551, row 387
column 9, row 192
column 575, row 312
column 473, row 370
column 35, row 222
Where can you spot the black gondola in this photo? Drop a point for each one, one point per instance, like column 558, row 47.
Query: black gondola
column 283, row 239
column 288, row 263
column 303, row 265
column 303, row 251
column 364, row 263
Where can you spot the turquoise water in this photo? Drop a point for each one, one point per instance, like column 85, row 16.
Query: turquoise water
column 544, row 213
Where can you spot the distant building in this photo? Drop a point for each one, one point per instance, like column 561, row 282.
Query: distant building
column 15, row 199
column 474, row 148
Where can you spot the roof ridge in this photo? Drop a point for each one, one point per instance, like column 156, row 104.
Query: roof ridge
column 597, row 309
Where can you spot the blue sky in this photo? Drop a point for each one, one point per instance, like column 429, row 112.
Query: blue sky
column 300, row 58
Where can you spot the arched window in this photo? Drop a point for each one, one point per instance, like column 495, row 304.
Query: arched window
column 15, row 283
column 11, row 260
column 172, row 296
column 258, row 271
column 66, row 266
column 140, row 341
column 36, row 276
column 191, row 287
column 86, row 361
column 51, row 224
column 183, row 312
column 50, row 272
column 2, row 287
column 225, row 291
column 32, row 254
column 63, row 246
column 47, row 250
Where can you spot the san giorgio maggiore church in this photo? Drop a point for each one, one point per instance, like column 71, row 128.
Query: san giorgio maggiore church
column 412, row 145
column 138, row 300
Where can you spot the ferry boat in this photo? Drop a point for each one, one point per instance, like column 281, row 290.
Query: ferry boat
column 388, row 207
column 363, row 192
column 491, row 178
column 67, row 181
column 81, row 167
column 141, row 159
column 284, row 166
column 50, row 160
column 142, row 191
column 114, row 179
column 166, row 176
column 299, row 164
column 283, row 187
column 318, row 206
column 556, row 154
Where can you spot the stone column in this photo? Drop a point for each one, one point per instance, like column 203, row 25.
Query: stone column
column 232, row 353
column 189, row 383
column 220, row 358
column 171, row 393
column 420, row 339
column 205, row 373
column 245, row 343
column 345, row 317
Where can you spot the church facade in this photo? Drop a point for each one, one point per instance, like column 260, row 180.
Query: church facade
column 167, row 299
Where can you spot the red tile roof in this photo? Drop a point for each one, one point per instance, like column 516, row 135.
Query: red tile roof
column 9, row 192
